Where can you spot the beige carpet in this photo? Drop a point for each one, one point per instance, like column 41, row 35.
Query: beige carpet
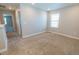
column 42, row 44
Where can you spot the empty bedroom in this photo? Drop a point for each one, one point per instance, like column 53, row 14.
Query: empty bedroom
column 39, row 28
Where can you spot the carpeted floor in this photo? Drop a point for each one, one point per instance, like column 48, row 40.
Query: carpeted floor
column 42, row 44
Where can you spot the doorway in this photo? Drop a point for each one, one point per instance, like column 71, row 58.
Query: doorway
column 8, row 23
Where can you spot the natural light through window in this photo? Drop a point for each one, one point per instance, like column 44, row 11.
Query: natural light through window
column 5, row 21
column 54, row 20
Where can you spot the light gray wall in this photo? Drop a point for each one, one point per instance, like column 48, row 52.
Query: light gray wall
column 33, row 20
column 68, row 22
column 2, row 43
column 3, row 39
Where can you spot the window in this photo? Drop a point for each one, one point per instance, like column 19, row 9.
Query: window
column 5, row 21
column 55, row 20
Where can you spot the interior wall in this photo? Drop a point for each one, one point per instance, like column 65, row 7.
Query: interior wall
column 3, row 38
column 33, row 20
column 68, row 22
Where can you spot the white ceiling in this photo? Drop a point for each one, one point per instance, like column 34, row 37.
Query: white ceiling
column 52, row 6
column 43, row 6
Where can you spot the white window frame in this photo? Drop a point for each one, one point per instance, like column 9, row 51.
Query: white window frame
column 54, row 20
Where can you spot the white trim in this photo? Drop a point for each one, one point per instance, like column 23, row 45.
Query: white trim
column 32, row 34
column 66, row 35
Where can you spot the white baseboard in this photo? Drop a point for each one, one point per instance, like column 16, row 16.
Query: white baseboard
column 54, row 33
column 65, row 35
column 32, row 34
